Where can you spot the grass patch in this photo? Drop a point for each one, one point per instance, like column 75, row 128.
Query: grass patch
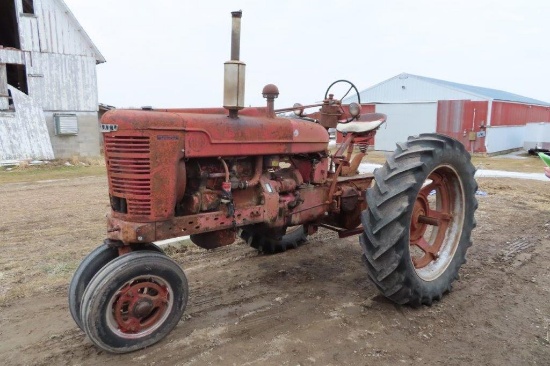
column 48, row 172
column 62, row 268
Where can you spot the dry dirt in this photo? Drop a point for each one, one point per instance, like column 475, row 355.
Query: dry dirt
column 310, row 306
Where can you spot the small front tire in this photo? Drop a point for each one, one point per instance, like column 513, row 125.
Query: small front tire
column 88, row 267
column 134, row 301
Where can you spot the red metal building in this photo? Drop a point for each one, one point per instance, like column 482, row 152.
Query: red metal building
column 485, row 120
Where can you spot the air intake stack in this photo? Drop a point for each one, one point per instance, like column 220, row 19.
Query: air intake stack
column 234, row 71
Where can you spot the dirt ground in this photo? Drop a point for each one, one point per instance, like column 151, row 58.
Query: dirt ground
column 310, row 306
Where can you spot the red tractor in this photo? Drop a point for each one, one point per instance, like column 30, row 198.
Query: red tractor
column 213, row 174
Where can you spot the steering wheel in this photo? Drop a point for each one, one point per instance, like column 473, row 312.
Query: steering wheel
column 345, row 95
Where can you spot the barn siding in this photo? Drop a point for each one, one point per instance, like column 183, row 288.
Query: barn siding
column 28, row 32
column 58, row 32
column 455, row 118
column 11, row 56
column 60, row 62
column 64, row 82
column 23, row 132
column 514, row 114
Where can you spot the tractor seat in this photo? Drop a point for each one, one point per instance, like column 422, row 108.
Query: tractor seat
column 365, row 123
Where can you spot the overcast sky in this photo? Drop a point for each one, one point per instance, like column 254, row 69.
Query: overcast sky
column 171, row 53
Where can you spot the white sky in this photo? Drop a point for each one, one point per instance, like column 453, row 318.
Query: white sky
column 171, row 53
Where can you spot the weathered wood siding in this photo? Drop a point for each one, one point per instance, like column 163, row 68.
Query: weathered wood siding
column 23, row 132
column 53, row 29
column 60, row 63
column 62, row 82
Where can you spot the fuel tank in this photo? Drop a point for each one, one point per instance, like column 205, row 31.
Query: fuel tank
column 215, row 134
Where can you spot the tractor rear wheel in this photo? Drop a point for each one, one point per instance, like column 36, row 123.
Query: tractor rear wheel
column 419, row 219
column 134, row 301
column 90, row 265
column 270, row 242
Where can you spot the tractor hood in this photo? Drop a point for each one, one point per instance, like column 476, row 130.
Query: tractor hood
column 218, row 135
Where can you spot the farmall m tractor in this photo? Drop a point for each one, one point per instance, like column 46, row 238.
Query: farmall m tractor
column 214, row 174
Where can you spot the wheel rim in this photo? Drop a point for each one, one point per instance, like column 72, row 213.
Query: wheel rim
column 436, row 223
column 140, row 307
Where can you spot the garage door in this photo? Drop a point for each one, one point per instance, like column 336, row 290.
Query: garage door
column 404, row 120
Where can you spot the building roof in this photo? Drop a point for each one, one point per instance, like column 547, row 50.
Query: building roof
column 478, row 92
column 98, row 56
column 493, row 94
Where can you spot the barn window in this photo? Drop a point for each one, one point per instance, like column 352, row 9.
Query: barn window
column 66, row 124
column 9, row 32
column 28, row 6
column 17, row 77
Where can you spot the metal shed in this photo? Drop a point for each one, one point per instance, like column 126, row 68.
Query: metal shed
column 485, row 120
column 48, row 83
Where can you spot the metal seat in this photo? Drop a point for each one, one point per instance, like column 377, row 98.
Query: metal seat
column 366, row 123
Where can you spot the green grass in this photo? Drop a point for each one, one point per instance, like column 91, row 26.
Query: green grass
column 48, row 172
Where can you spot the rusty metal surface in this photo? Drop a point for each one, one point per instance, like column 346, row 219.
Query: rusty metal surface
column 424, row 216
column 132, row 232
column 174, row 173
column 312, row 208
column 215, row 239
column 270, row 92
column 250, row 112
column 456, row 118
column 218, row 135
column 513, row 114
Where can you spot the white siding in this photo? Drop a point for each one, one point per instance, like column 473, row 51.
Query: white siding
column 63, row 82
column 504, row 138
column 406, row 89
column 59, row 33
column 404, row 120
column 28, row 32
column 537, row 135
column 60, row 62
column 23, row 133
column 8, row 56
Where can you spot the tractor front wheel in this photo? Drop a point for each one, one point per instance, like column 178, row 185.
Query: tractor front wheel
column 87, row 269
column 419, row 219
column 134, row 301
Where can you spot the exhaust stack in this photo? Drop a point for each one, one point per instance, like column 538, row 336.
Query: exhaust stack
column 234, row 71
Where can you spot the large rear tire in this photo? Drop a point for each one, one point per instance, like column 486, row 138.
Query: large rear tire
column 419, row 219
column 270, row 242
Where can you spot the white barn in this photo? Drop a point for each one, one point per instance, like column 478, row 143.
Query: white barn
column 48, row 82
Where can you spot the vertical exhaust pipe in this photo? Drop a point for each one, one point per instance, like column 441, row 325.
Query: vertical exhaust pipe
column 234, row 71
column 236, row 35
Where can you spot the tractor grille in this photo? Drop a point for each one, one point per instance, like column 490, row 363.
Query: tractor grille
column 129, row 168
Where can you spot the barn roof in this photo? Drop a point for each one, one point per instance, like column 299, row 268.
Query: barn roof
column 478, row 92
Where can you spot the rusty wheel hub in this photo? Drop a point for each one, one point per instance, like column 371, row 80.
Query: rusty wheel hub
column 140, row 307
column 434, row 221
